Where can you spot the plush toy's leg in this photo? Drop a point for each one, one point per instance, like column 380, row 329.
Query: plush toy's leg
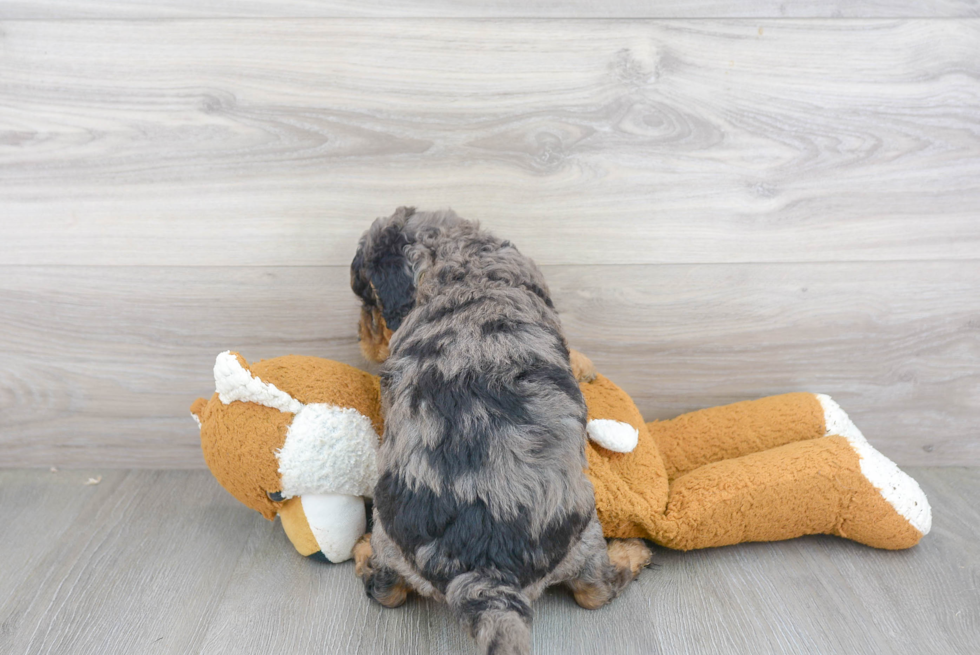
column 719, row 433
column 820, row 486
column 324, row 526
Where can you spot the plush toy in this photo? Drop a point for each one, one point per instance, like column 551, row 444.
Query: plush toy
column 298, row 437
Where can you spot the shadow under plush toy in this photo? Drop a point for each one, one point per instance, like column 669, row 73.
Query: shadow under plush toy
column 298, row 437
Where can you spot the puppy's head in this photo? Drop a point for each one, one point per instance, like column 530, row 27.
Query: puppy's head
column 383, row 278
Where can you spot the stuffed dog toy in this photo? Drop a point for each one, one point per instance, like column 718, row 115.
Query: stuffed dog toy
column 298, row 437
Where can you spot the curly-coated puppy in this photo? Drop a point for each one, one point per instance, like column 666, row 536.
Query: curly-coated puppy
column 482, row 500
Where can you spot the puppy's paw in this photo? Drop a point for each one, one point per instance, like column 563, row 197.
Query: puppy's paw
column 362, row 556
column 630, row 554
column 591, row 596
column 387, row 587
column 582, row 367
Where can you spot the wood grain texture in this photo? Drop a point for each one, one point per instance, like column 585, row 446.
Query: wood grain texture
column 101, row 363
column 167, row 562
column 244, row 142
column 140, row 562
column 62, row 495
column 143, row 9
column 101, row 367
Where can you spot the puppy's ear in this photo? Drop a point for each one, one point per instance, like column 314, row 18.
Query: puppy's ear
column 381, row 274
column 394, row 285
column 389, row 271
column 360, row 283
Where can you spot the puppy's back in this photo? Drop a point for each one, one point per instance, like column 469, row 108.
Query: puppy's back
column 482, row 487
column 482, row 462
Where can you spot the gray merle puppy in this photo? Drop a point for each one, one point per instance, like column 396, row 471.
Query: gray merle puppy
column 482, row 500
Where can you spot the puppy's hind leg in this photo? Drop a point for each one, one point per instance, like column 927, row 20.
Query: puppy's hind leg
column 607, row 571
column 381, row 582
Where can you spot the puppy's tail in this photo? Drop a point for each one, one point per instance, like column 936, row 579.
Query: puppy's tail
column 495, row 610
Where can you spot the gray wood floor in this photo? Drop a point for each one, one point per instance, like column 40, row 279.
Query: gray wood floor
column 167, row 562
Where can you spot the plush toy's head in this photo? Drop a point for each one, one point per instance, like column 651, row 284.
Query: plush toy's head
column 292, row 428
column 244, row 460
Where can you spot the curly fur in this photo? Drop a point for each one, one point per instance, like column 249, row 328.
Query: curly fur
column 482, row 499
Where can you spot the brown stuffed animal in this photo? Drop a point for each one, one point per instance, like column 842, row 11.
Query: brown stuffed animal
column 298, row 436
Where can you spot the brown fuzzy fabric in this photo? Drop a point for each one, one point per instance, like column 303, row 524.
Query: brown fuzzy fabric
column 239, row 440
column 627, row 485
column 239, row 443
column 314, row 380
column 758, row 470
column 728, row 431
column 810, row 487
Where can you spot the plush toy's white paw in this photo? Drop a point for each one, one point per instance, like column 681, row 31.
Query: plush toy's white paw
column 337, row 521
column 612, row 435
column 901, row 491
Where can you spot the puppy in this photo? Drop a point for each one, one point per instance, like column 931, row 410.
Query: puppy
column 482, row 500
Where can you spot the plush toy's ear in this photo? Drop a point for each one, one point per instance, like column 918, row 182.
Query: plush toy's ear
column 233, row 380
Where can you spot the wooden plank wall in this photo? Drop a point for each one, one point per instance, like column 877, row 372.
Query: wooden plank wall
column 129, row 9
column 729, row 201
